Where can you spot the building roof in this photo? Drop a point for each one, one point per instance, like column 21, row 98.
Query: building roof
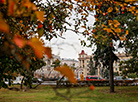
column 82, row 53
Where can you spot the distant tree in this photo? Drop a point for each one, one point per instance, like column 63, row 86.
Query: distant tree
column 91, row 67
column 56, row 63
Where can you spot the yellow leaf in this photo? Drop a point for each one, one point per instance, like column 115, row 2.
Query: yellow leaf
column 110, row 9
column 118, row 30
column 40, row 15
column 137, row 11
column 110, row 22
column 137, row 18
column 107, row 29
column 67, row 71
column 116, row 9
column 126, row 32
column 128, row 0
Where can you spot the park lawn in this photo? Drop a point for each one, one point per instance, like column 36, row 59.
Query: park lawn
column 82, row 94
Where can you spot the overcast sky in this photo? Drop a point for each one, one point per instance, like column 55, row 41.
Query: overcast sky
column 69, row 47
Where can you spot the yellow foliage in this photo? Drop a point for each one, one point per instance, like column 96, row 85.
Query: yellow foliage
column 107, row 29
column 67, row 71
column 126, row 32
column 118, row 30
column 129, row 0
column 136, row 11
column 110, row 9
column 40, row 15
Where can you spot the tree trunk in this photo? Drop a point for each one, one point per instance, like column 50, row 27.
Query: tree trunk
column 111, row 72
column 21, row 86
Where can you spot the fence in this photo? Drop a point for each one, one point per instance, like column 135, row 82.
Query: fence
column 96, row 83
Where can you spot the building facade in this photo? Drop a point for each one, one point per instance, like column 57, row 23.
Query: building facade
column 122, row 57
column 84, row 60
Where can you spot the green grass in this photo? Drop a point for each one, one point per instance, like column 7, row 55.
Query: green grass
column 83, row 94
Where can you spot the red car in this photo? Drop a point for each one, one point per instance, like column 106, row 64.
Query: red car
column 93, row 78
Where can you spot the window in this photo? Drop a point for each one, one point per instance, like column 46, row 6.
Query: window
column 87, row 61
column 116, row 69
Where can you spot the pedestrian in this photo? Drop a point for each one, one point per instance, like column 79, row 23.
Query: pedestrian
column 82, row 77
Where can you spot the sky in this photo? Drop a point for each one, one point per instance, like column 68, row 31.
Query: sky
column 69, row 47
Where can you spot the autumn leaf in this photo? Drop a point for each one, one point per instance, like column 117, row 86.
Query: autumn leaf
column 40, row 15
column 127, row 32
column 3, row 1
column 118, row 30
column 110, row 9
column 37, row 47
column 4, row 26
column 48, row 52
column 67, row 71
column 40, row 26
column 92, row 87
column 27, row 4
column 93, row 31
column 19, row 41
column 11, row 7
column 107, row 29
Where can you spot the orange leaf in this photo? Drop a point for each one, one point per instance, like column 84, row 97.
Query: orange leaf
column 4, row 26
column 19, row 41
column 67, row 71
column 11, row 7
column 92, row 87
column 40, row 15
column 93, row 31
column 37, row 47
column 27, row 4
column 48, row 52
column 127, row 32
